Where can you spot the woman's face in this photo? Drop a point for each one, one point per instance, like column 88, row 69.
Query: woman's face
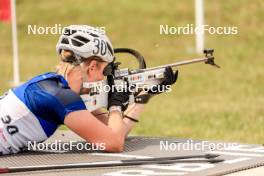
column 94, row 72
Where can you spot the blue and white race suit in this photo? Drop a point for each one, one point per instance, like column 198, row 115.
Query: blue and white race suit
column 34, row 110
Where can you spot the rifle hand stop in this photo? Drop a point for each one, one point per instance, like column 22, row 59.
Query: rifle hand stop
column 210, row 58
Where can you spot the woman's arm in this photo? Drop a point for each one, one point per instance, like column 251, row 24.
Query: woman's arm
column 92, row 130
column 101, row 115
column 133, row 111
column 111, row 132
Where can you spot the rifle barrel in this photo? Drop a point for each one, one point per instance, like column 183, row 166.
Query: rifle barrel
column 178, row 64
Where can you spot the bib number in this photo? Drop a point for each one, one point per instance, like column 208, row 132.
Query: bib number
column 100, row 47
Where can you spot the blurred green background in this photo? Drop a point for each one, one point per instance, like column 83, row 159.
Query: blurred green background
column 206, row 103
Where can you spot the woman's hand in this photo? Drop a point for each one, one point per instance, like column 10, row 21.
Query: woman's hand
column 169, row 78
column 118, row 98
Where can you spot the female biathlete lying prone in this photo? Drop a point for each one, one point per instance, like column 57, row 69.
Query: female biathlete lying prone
column 34, row 110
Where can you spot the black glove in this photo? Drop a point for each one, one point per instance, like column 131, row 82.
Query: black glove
column 169, row 78
column 118, row 98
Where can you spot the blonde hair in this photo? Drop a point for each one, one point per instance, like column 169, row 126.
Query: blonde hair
column 64, row 68
column 68, row 63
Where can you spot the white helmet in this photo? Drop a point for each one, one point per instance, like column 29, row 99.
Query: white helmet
column 86, row 41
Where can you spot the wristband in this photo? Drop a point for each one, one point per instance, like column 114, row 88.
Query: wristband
column 132, row 119
column 115, row 108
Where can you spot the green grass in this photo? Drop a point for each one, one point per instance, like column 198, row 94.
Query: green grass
column 206, row 103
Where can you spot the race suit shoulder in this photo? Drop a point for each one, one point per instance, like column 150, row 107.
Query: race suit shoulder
column 34, row 110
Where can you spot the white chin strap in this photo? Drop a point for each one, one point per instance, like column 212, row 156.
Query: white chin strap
column 97, row 96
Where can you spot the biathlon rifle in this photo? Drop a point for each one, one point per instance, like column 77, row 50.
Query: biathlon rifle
column 136, row 78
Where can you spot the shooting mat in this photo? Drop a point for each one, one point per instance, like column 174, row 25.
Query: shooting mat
column 238, row 157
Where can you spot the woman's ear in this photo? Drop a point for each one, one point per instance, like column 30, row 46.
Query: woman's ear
column 92, row 65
